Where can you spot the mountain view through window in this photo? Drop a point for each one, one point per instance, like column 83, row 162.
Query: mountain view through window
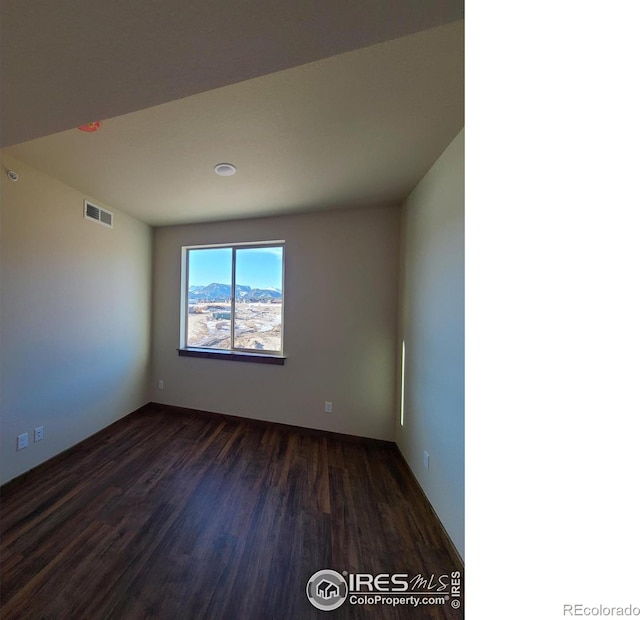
column 235, row 298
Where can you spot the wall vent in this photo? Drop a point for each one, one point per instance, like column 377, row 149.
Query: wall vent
column 97, row 214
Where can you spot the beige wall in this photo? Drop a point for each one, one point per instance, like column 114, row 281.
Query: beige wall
column 75, row 307
column 340, row 324
column 432, row 327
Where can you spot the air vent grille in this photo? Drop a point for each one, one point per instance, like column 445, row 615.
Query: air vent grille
column 92, row 212
column 105, row 217
column 97, row 214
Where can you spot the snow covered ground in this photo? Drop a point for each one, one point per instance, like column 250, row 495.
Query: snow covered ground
column 258, row 327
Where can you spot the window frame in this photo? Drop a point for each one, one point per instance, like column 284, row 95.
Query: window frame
column 233, row 353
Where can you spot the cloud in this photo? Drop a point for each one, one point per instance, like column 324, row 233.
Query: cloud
column 273, row 251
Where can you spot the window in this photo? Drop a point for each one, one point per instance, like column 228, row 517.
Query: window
column 233, row 299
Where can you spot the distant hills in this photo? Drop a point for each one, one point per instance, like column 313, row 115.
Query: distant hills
column 222, row 292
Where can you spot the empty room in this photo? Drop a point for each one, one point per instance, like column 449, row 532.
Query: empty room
column 232, row 310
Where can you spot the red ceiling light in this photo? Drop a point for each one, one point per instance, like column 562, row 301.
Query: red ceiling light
column 90, row 126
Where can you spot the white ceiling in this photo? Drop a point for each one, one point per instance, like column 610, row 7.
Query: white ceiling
column 307, row 126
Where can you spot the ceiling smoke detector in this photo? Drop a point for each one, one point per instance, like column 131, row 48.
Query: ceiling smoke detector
column 225, row 170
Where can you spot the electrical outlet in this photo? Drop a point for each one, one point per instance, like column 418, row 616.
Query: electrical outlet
column 161, row 384
column 23, row 441
column 328, row 406
column 38, row 433
column 426, row 460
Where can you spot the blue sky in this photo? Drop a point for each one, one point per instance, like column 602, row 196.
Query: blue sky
column 255, row 267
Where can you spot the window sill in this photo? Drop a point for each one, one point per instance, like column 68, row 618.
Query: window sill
column 234, row 356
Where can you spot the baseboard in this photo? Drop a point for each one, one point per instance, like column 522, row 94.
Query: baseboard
column 35, row 471
column 450, row 546
column 289, row 427
column 18, row 480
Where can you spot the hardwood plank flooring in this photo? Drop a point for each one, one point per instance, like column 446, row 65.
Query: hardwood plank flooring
column 181, row 515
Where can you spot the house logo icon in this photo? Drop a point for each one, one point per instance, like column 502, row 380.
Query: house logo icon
column 327, row 590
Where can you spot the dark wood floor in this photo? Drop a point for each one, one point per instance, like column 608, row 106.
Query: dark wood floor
column 179, row 515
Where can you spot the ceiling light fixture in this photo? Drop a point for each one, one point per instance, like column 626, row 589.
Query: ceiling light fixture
column 225, row 170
